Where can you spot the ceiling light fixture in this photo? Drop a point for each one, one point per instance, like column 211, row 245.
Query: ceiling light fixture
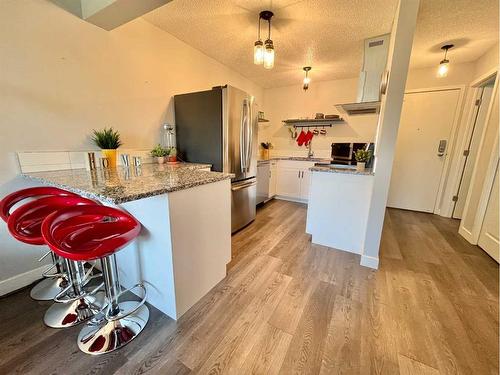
column 444, row 64
column 258, row 49
column 264, row 52
column 307, row 80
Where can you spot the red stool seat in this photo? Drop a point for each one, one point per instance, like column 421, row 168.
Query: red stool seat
column 35, row 192
column 89, row 232
column 25, row 222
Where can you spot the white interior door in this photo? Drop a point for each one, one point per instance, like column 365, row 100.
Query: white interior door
column 473, row 147
column 427, row 119
column 489, row 236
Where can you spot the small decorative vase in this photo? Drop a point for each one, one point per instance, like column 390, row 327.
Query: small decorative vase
column 360, row 166
column 172, row 159
column 110, row 154
column 160, row 159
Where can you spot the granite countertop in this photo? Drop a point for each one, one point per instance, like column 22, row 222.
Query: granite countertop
column 123, row 184
column 341, row 169
column 297, row 158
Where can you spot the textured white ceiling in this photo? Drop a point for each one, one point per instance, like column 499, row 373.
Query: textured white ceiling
column 326, row 34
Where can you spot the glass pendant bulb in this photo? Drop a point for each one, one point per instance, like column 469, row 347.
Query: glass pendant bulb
column 258, row 53
column 307, row 80
column 443, row 68
column 444, row 64
column 269, row 54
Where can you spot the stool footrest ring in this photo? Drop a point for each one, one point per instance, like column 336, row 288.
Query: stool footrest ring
column 46, row 273
column 127, row 313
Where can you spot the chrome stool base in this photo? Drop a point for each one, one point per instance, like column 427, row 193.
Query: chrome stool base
column 63, row 315
column 105, row 336
column 48, row 288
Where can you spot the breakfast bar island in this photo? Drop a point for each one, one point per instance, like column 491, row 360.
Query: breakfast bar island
column 185, row 212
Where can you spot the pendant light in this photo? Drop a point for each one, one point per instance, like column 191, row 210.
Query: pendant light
column 258, row 49
column 264, row 52
column 444, row 64
column 307, row 80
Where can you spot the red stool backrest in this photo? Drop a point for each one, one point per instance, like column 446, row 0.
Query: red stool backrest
column 25, row 222
column 35, row 192
column 89, row 232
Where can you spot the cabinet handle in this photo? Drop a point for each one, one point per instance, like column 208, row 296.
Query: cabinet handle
column 299, row 174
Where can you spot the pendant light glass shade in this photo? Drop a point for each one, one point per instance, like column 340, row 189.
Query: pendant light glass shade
column 444, row 64
column 307, row 80
column 443, row 68
column 269, row 55
column 258, row 53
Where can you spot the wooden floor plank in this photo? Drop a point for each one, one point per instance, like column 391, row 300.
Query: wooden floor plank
column 291, row 307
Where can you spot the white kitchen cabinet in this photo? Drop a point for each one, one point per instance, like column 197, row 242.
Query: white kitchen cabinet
column 304, row 184
column 288, row 183
column 273, row 178
column 293, row 180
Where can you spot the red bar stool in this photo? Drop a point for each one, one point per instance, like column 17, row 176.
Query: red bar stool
column 73, row 303
column 85, row 233
column 53, row 283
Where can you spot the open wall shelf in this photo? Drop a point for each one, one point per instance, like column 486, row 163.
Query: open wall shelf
column 311, row 123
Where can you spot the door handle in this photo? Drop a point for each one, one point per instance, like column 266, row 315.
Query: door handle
column 250, row 136
column 243, row 185
column 243, row 152
column 441, row 147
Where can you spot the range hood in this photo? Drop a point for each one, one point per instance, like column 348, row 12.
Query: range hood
column 372, row 78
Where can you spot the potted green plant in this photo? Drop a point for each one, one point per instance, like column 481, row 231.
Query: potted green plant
column 159, row 152
column 108, row 140
column 172, row 155
column 362, row 156
column 264, row 152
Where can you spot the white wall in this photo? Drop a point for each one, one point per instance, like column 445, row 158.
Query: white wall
column 61, row 77
column 487, row 62
column 293, row 102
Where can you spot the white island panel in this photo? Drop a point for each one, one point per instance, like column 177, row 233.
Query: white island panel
column 183, row 248
column 338, row 209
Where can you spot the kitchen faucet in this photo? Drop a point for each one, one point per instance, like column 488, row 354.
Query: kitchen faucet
column 310, row 152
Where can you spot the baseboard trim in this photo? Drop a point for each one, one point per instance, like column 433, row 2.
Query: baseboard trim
column 289, row 199
column 370, row 262
column 20, row 281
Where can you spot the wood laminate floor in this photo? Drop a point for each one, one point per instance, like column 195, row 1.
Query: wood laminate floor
column 290, row 307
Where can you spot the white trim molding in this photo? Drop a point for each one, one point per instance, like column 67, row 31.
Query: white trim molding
column 370, row 262
column 20, row 281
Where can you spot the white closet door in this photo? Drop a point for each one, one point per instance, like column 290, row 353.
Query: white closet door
column 489, row 236
column 426, row 119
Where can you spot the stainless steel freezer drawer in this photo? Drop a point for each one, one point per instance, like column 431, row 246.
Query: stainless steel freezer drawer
column 243, row 203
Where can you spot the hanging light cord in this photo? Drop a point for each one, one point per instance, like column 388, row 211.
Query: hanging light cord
column 269, row 29
column 259, row 29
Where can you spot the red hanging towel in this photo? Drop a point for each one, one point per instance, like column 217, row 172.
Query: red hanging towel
column 301, row 139
column 308, row 138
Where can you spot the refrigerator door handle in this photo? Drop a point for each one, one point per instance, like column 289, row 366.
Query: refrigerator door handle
column 250, row 137
column 243, row 136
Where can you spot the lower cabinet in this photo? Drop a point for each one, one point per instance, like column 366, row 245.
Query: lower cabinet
column 288, row 184
column 273, row 170
column 286, row 179
column 293, row 179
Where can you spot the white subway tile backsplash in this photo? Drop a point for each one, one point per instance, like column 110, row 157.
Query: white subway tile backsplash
column 43, row 158
column 57, row 160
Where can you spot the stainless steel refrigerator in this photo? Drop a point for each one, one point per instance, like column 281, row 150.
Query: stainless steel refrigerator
column 219, row 127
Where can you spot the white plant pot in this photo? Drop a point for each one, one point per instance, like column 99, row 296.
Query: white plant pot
column 160, row 160
column 360, row 166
